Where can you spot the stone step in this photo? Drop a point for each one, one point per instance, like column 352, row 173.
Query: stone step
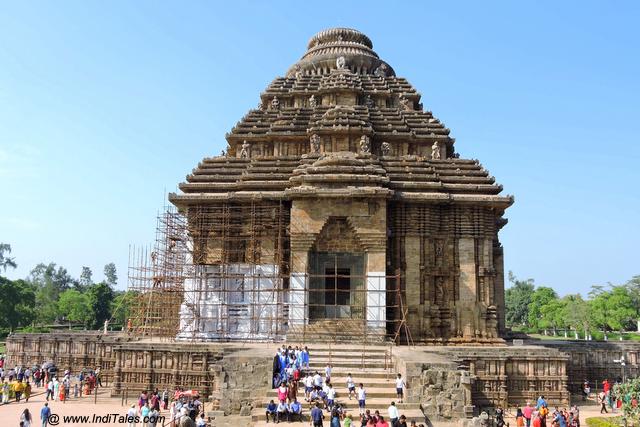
column 357, row 373
column 341, row 392
column 367, row 380
column 412, row 414
column 373, row 403
column 346, row 355
column 355, row 364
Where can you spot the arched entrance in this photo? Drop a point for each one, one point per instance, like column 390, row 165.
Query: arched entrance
column 337, row 284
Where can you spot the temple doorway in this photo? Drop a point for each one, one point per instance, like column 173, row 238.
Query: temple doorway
column 336, row 286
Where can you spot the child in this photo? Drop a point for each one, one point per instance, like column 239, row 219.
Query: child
column 362, row 395
column 519, row 418
column 305, row 358
column 327, row 373
column 400, row 388
column 351, row 386
column 331, row 396
column 308, row 386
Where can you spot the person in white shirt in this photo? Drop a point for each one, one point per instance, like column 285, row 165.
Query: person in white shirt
column 351, row 386
column 362, row 395
column 400, row 388
column 283, row 412
column 317, row 381
column 308, row 386
column 331, row 396
column 393, row 414
column 131, row 416
column 327, row 373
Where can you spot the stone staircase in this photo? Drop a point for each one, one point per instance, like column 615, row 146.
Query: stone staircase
column 337, row 331
column 369, row 365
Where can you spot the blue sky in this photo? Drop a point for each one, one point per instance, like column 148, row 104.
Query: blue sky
column 106, row 106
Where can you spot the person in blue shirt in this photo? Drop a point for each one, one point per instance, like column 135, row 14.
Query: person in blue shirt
column 295, row 410
column 541, row 403
column 272, row 409
column 45, row 412
column 317, row 416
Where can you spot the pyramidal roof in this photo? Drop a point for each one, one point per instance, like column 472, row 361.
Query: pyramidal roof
column 341, row 101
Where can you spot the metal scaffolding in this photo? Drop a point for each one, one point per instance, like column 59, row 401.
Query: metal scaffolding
column 222, row 273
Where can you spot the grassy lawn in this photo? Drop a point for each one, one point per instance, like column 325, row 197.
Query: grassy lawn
column 604, row 422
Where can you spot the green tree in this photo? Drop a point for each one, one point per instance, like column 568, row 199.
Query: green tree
column 599, row 308
column 17, row 302
column 121, row 306
column 621, row 309
column 86, row 278
column 540, row 297
column 49, row 281
column 74, row 306
column 577, row 314
column 100, row 300
column 552, row 315
column 5, row 260
column 110, row 274
column 517, row 300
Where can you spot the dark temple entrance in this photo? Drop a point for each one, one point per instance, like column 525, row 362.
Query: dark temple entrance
column 336, row 286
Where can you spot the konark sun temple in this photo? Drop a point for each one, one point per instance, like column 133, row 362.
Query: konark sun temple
column 339, row 217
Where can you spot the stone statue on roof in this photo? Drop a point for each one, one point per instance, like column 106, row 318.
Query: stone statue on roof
column 275, row 103
column 244, row 153
column 315, row 143
column 381, row 71
column 312, row 102
column 386, row 148
column 435, row 151
column 368, row 101
column 365, row 144
column 405, row 104
column 341, row 63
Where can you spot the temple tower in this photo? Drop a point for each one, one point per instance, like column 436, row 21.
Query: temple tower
column 340, row 204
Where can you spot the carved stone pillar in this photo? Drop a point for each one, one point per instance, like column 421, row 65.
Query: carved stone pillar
column 467, row 309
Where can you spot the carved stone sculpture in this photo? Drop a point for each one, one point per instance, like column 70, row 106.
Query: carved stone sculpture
column 365, row 144
column 369, row 102
column 405, row 104
column 245, row 153
column 315, row 143
column 435, row 151
column 312, row 102
column 340, row 63
column 386, row 148
column 275, row 103
column 381, row 71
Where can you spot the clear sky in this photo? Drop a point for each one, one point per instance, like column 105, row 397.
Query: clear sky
column 106, row 106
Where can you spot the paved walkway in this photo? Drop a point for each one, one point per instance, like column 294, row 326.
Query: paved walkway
column 85, row 406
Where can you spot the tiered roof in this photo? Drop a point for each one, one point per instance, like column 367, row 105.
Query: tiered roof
column 341, row 90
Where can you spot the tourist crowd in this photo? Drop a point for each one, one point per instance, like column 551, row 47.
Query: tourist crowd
column 291, row 370
column 539, row 415
column 17, row 383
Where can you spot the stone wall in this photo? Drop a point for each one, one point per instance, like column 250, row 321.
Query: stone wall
column 594, row 361
column 232, row 375
column 437, row 384
column 68, row 350
column 456, row 382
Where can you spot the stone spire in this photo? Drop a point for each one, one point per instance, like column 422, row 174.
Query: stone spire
column 338, row 48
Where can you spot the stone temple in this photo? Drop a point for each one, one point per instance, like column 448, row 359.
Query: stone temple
column 349, row 210
column 340, row 217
